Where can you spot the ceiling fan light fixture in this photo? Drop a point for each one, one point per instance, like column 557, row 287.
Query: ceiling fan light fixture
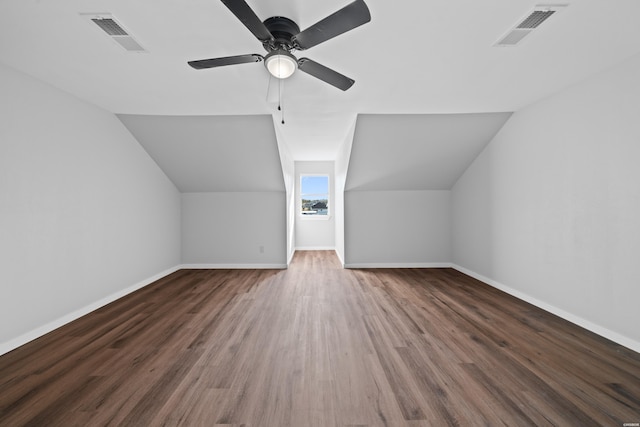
column 281, row 64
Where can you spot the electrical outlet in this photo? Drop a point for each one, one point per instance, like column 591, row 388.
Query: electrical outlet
column 261, row 249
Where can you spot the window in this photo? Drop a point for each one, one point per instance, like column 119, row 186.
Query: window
column 314, row 195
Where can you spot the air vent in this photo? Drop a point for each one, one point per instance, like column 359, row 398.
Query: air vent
column 536, row 18
column 526, row 26
column 109, row 25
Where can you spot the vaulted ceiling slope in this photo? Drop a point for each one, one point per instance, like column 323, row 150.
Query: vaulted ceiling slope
column 414, row 57
column 212, row 153
column 417, row 152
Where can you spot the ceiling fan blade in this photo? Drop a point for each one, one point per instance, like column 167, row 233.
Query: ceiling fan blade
column 248, row 17
column 349, row 17
column 325, row 74
column 229, row 60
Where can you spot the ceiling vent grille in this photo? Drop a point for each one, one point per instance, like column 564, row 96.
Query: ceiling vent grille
column 526, row 26
column 116, row 31
column 110, row 26
column 536, row 18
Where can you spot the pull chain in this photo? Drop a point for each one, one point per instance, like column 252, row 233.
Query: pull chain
column 280, row 104
column 280, row 89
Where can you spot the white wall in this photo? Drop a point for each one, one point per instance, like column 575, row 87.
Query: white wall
column 228, row 229
column 289, row 178
column 315, row 233
column 85, row 213
column 550, row 210
column 397, row 228
column 341, row 168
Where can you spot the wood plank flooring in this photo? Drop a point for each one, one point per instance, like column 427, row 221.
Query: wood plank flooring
column 316, row 345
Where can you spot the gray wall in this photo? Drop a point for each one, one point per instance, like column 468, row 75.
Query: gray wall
column 397, row 228
column 397, row 205
column 289, row 178
column 86, row 214
column 550, row 210
column 236, row 184
column 228, row 229
column 341, row 167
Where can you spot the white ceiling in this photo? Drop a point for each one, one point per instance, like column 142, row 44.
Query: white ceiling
column 417, row 152
column 414, row 57
column 212, row 153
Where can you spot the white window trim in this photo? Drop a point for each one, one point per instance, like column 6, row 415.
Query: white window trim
column 329, row 199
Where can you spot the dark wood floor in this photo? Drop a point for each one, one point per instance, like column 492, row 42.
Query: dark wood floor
column 316, row 345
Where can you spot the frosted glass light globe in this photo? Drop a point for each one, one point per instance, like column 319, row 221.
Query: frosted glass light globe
column 281, row 64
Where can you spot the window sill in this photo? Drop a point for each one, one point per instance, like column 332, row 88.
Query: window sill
column 315, row 217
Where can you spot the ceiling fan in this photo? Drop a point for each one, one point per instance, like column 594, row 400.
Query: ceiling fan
column 281, row 36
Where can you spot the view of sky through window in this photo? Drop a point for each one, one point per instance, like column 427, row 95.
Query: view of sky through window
column 314, row 194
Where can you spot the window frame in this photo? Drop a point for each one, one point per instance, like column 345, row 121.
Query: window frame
column 300, row 195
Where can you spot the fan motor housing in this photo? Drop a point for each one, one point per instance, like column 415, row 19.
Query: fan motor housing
column 283, row 29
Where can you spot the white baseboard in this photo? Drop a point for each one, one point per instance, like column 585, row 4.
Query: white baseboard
column 340, row 258
column 597, row 329
column 315, row 248
column 14, row 343
column 399, row 265
column 235, row 266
